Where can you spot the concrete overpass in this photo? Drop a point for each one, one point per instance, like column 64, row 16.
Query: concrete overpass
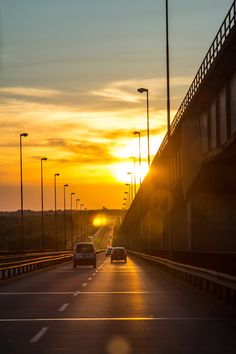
column 187, row 203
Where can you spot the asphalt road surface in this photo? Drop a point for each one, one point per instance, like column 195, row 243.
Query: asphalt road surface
column 118, row 308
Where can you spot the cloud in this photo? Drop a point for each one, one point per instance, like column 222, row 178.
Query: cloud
column 126, row 91
column 29, row 92
column 82, row 151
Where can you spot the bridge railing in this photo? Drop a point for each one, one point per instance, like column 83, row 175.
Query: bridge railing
column 216, row 46
column 11, row 269
column 220, row 285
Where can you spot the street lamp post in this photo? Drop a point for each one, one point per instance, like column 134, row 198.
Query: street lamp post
column 134, row 174
column 42, row 201
column 142, row 90
column 21, row 192
column 77, row 201
column 167, row 71
column 127, row 198
column 71, row 210
column 131, row 185
column 168, row 123
column 55, row 203
column 128, row 185
column 136, row 133
column 82, row 219
column 65, row 240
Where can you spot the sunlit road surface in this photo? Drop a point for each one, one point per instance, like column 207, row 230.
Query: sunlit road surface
column 117, row 309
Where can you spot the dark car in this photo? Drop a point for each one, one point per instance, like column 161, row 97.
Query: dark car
column 109, row 251
column 84, row 254
column 118, row 254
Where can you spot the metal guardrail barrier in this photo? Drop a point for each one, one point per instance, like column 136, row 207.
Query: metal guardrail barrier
column 16, row 268
column 220, row 285
column 216, row 46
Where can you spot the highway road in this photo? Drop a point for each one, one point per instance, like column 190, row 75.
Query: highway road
column 118, row 308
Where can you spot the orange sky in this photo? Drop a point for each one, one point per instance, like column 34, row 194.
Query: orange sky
column 88, row 146
column 69, row 76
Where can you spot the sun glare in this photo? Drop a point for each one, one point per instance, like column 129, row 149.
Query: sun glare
column 100, row 220
column 120, row 171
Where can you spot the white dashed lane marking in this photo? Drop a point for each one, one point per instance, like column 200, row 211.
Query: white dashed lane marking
column 63, row 307
column 85, row 284
column 39, row 335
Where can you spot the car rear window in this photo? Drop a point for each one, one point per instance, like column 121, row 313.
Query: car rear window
column 85, row 248
column 119, row 250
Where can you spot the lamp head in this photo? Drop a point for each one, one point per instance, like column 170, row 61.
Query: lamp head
column 44, row 159
column 72, row 193
column 24, row 134
column 136, row 132
column 142, row 90
column 66, row 185
column 57, row 174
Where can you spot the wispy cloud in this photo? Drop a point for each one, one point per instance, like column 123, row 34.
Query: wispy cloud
column 126, row 90
column 29, row 91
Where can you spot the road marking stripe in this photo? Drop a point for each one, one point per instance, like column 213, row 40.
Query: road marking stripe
column 117, row 319
column 76, row 293
column 40, row 293
column 85, row 284
column 94, row 273
column 39, row 335
column 89, row 278
column 63, row 307
column 127, row 292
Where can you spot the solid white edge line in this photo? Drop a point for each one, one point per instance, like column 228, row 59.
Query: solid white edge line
column 39, row 335
column 126, row 292
column 40, row 293
column 63, row 307
column 58, row 319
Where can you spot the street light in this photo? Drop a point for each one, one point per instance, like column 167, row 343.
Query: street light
column 136, row 133
column 42, row 219
column 168, row 122
column 55, row 201
column 134, row 174
column 131, row 185
column 76, row 202
column 71, row 210
column 83, row 223
column 167, row 71
column 128, row 185
column 65, row 240
column 142, row 90
column 21, row 191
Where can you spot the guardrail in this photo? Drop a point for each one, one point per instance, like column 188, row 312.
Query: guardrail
column 216, row 46
column 14, row 269
column 220, row 285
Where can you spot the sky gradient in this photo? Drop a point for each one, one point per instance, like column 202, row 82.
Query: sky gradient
column 69, row 72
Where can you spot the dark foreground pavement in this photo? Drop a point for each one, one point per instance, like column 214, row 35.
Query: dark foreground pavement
column 119, row 308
